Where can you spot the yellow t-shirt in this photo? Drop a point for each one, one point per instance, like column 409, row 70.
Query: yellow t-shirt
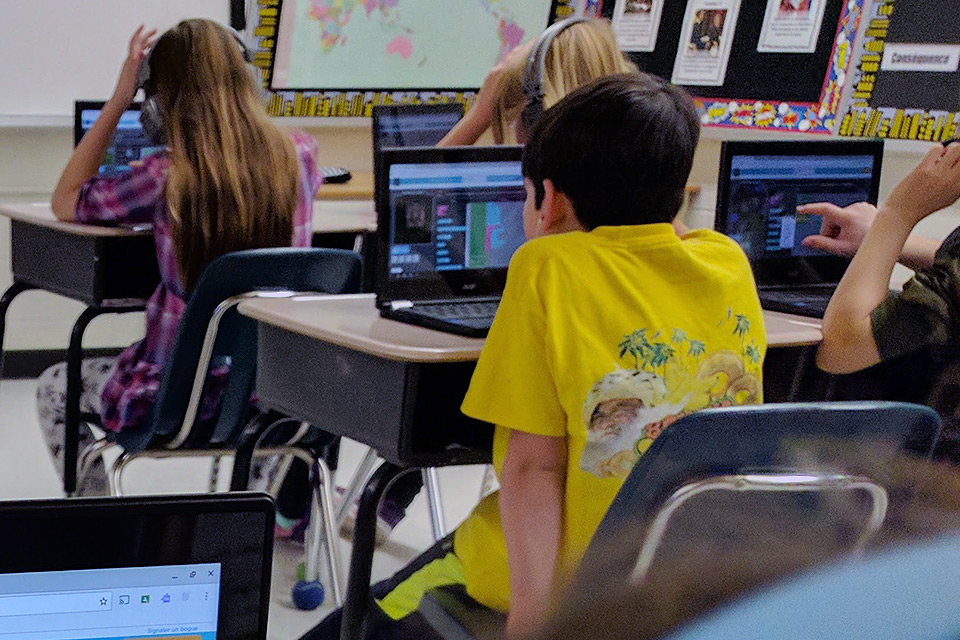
column 605, row 338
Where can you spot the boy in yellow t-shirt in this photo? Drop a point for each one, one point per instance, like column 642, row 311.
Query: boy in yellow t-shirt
column 611, row 328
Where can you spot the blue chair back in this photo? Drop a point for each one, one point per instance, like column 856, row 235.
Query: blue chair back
column 730, row 440
column 331, row 271
column 909, row 592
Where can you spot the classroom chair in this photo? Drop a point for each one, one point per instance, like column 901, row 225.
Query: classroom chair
column 909, row 592
column 715, row 449
column 211, row 333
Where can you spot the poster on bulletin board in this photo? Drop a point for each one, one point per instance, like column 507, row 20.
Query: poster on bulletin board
column 758, row 64
column 342, row 57
column 906, row 84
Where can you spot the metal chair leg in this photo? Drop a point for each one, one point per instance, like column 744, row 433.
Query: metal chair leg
column 356, row 484
column 431, row 480
column 283, row 468
column 87, row 457
column 115, row 476
column 322, row 521
column 214, row 474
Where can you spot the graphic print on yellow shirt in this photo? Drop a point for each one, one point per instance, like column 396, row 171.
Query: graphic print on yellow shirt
column 672, row 374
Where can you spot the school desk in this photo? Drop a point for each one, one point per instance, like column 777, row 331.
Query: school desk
column 110, row 270
column 335, row 363
column 361, row 187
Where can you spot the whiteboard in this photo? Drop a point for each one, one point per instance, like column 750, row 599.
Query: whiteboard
column 58, row 51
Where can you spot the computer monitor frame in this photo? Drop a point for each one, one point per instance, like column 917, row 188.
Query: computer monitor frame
column 87, row 105
column 775, row 271
column 381, row 112
column 233, row 530
column 465, row 283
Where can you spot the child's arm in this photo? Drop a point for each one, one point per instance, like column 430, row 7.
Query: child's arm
column 531, row 509
column 480, row 116
column 87, row 156
column 848, row 341
column 843, row 231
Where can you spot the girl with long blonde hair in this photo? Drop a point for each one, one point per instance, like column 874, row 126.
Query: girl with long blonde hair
column 225, row 179
column 579, row 54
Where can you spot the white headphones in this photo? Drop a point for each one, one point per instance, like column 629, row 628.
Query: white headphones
column 151, row 112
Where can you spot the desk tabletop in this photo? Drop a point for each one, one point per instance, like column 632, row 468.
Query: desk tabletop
column 354, row 322
column 328, row 217
column 39, row 213
column 359, row 187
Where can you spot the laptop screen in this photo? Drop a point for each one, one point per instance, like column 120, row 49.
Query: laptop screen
column 179, row 601
column 452, row 220
column 761, row 186
column 130, row 143
column 413, row 125
column 144, row 567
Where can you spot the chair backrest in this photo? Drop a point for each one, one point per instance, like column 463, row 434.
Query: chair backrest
column 331, row 271
column 910, row 592
column 730, row 440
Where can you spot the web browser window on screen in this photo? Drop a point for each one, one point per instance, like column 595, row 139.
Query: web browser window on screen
column 137, row 603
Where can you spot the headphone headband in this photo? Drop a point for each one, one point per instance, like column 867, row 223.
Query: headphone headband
column 536, row 68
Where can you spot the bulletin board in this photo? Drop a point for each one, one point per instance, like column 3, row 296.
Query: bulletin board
column 261, row 23
column 906, row 83
column 769, row 89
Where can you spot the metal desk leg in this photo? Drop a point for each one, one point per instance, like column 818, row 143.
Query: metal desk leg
column 15, row 289
column 431, row 480
column 361, row 559
column 71, row 424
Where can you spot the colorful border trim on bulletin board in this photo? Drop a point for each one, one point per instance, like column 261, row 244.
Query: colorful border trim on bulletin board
column 863, row 121
column 794, row 116
column 342, row 103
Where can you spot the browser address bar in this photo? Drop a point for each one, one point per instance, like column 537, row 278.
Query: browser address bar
column 53, row 603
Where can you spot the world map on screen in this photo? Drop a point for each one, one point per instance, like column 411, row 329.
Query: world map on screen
column 398, row 44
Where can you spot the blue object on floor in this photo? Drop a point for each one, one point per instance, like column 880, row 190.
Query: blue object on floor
column 307, row 595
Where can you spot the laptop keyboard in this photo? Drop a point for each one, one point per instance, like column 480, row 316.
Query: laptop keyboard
column 459, row 311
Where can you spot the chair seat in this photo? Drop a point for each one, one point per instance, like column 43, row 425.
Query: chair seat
column 456, row 616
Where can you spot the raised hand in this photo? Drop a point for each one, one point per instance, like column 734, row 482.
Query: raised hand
column 140, row 44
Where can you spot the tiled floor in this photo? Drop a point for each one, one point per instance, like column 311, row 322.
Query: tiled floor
column 26, row 472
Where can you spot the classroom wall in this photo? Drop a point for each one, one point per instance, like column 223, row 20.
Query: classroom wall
column 31, row 160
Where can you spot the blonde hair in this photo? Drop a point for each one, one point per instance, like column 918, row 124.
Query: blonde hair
column 233, row 178
column 580, row 54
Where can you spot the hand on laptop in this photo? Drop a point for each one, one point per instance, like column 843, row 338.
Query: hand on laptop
column 842, row 230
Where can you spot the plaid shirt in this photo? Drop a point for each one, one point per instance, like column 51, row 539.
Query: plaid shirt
column 138, row 197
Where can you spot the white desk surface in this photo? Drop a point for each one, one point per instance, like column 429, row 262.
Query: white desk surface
column 328, row 217
column 353, row 322
column 39, row 213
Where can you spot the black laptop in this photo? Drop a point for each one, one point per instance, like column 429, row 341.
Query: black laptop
column 413, row 125
column 448, row 222
column 194, row 568
column 762, row 184
column 130, row 143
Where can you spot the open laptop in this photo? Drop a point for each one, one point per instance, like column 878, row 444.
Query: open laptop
column 194, row 568
column 448, row 222
column 413, row 125
column 130, row 143
column 762, row 184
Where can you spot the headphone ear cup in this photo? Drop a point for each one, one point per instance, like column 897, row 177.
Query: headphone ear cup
column 530, row 116
column 151, row 119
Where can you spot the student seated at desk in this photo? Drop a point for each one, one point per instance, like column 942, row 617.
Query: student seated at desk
column 228, row 180
column 864, row 325
column 611, row 327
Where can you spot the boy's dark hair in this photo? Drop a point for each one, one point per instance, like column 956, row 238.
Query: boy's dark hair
column 621, row 148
